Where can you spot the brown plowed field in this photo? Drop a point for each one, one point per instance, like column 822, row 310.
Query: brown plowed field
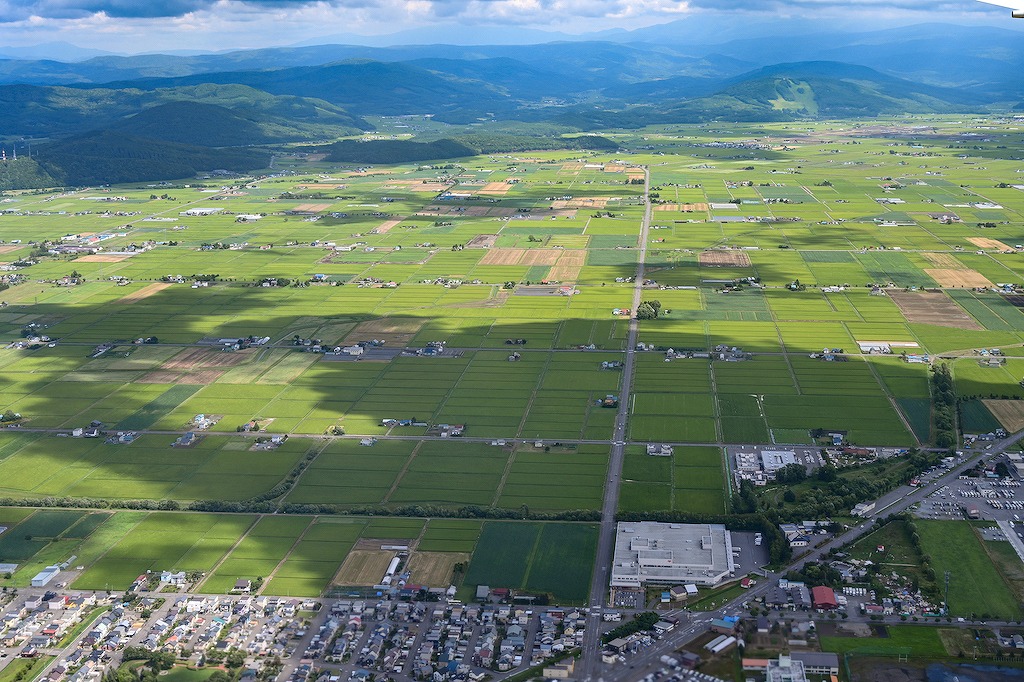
column 724, row 259
column 928, row 308
column 206, row 358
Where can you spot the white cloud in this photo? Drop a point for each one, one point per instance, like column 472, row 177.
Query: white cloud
column 152, row 25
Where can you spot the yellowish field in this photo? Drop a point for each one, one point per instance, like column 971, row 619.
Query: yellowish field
column 143, row 293
column 435, row 568
column 364, row 567
column 1010, row 413
column 495, row 188
column 944, row 261
column 502, row 257
column 585, row 202
column 986, row 243
column 959, row 278
column 540, row 257
column 103, row 258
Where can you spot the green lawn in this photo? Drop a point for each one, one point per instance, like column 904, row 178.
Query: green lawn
column 975, row 586
column 920, row 642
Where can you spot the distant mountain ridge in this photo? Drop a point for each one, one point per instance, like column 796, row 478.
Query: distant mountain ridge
column 31, row 110
column 188, row 104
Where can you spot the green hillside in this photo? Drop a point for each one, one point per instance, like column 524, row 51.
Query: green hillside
column 31, row 110
column 107, row 157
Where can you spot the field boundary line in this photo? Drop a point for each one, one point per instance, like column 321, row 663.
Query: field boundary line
column 402, row 472
column 789, row 363
column 112, row 546
column 231, row 550
column 423, row 531
column 267, row 578
column 533, row 395
column 896, row 406
column 716, row 411
column 533, row 556
column 500, row 488
column 319, row 448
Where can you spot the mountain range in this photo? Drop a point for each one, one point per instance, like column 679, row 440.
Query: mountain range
column 627, row 79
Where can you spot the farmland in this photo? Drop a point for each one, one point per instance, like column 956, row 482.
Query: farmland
column 492, row 314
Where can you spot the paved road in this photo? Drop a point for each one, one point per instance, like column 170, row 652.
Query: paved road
column 895, row 502
column 591, row 657
column 451, row 351
column 417, row 438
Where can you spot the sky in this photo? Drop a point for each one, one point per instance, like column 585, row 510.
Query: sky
column 137, row 26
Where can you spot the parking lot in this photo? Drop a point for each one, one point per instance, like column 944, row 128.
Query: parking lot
column 994, row 499
column 751, row 556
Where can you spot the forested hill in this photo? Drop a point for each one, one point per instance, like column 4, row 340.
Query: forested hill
column 107, row 157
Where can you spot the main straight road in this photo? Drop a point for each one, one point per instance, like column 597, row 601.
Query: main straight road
column 591, row 658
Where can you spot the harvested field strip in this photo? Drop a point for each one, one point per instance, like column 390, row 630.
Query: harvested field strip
column 944, row 261
column 540, row 257
column 435, row 568
column 384, row 228
column 959, row 278
column 502, row 257
column 205, row 358
column 986, row 243
column 1010, row 413
column 143, row 293
column 103, row 258
column 364, row 567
